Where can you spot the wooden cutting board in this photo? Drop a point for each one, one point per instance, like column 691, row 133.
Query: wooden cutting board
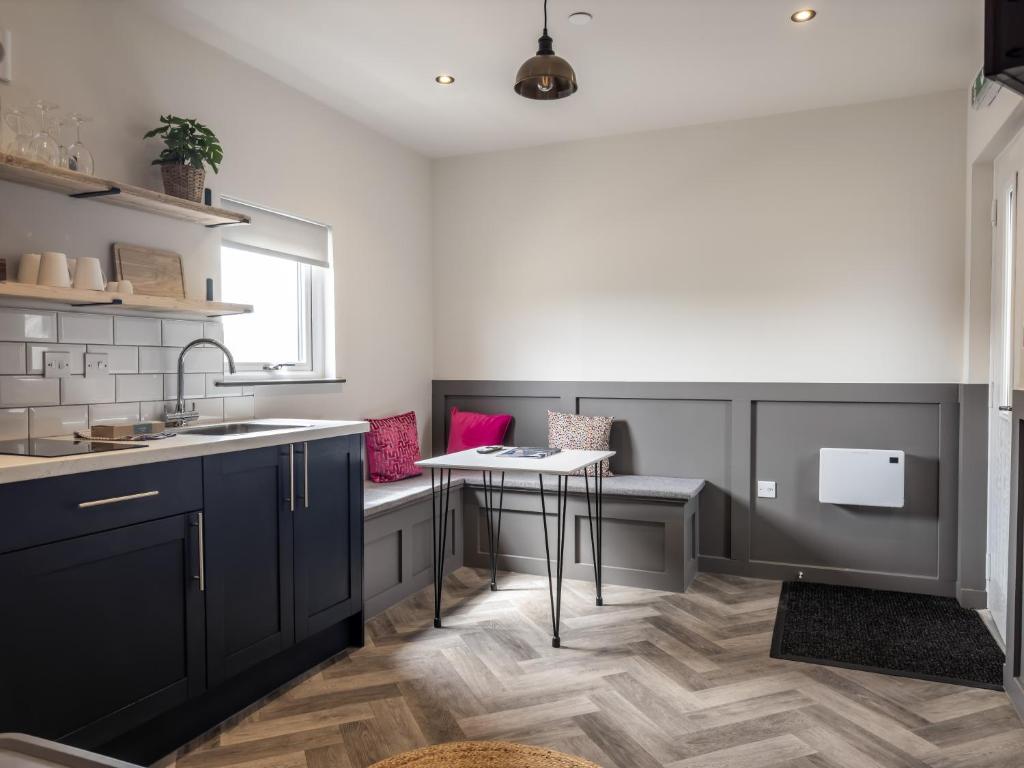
column 152, row 272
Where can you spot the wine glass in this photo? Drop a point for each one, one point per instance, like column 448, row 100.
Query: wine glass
column 57, row 127
column 19, row 145
column 79, row 156
column 44, row 148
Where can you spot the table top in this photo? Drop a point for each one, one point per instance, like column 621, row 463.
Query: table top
column 562, row 463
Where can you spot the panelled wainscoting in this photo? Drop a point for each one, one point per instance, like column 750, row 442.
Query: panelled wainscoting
column 733, row 434
column 142, row 353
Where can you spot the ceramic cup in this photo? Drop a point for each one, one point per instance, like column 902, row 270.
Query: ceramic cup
column 53, row 270
column 88, row 274
column 28, row 268
column 112, row 286
column 72, row 265
column 125, row 286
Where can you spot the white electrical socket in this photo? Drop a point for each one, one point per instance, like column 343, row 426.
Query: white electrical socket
column 766, row 489
column 5, row 55
column 97, row 364
column 56, row 365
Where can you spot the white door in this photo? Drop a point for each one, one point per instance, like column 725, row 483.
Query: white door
column 1007, row 168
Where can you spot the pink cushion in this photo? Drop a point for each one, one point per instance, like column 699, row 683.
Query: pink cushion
column 472, row 430
column 392, row 448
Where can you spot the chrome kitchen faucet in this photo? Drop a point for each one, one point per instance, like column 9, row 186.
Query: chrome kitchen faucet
column 179, row 417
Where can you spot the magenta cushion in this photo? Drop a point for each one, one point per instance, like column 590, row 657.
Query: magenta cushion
column 467, row 429
column 393, row 448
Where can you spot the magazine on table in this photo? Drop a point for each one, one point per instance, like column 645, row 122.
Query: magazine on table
column 529, row 453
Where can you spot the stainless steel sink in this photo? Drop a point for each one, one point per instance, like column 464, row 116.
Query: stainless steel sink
column 238, row 428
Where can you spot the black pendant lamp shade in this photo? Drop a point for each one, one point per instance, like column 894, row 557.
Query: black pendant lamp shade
column 545, row 76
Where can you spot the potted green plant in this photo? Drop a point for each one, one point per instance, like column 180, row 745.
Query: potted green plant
column 191, row 146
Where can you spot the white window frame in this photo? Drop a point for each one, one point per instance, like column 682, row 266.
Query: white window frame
column 316, row 332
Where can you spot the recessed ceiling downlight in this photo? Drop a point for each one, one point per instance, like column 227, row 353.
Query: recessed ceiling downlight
column 805, row 14
column 444, row 79
column 579, row 18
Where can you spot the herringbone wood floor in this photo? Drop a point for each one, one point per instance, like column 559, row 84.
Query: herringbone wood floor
column 651, row 679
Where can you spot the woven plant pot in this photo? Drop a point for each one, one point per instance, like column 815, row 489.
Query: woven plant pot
column 184, row 181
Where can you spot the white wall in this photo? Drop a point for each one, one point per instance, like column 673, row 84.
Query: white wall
column 282, row 149
column 817, row 246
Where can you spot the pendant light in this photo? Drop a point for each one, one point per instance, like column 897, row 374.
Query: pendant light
column 545, row 76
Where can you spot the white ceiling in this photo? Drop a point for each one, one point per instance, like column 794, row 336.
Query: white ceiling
column 641, row 64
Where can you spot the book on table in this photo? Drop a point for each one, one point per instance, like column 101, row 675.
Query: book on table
column 529, row 453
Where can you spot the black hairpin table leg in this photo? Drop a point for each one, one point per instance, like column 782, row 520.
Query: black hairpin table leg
column 439, row 527
column 493, row 527
column 595, row 535
column 555, row 584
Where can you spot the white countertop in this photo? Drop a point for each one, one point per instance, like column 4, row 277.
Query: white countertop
column 15, row 469
column 562, row 463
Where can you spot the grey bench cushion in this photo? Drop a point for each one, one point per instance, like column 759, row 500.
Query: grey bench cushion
column 383, row 497
column 628, row 486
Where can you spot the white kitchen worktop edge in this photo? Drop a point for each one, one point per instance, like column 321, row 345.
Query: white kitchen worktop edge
column 14, row 469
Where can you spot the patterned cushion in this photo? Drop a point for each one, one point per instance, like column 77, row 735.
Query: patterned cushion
column 392, row 448
column 589, row 433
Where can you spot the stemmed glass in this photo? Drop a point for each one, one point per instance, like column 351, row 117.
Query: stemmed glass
column 59, row 124
column 79, row 156
column 21, row 142
column 44, row 147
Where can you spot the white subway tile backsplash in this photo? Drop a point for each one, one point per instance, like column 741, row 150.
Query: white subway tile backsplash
column 81, row 328
column 34, row 356
column 137, row 330
column 159, row 359
column 195, row 386
column 213, row 330
column 236, row 408
column 139, row 386
column 114, row 413
column 20, row 391
column 61, row 420
column 12, row 357
column 178, row 333
column 154, row 411
column 82, row 390
column 210, row 409
column 205, row 360
column 13, row 423
column 119, row 359
column 27, row 325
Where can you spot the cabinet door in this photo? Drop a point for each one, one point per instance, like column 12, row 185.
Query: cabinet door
column 248, row 538
column 101, row 632
column 328, row 533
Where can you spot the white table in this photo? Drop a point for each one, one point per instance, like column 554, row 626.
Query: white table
column 561, row 464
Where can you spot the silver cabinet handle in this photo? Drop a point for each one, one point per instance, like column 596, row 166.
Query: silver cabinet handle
column 1006, row 408
column 202, row 554
column 117, row 499
column 305, row 473
column 291, row 477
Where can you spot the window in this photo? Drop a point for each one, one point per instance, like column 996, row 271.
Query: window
column 280, row 264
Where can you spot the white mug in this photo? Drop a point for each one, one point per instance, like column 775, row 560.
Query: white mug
column 72, row 265
column 125, row 286
column 88, row 274
column 112, row 286
column 28, row 268
column 53, row 270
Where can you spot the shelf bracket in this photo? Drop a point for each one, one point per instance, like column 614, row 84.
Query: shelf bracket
column 97, row 193
column 110, row 303
column 227, row 224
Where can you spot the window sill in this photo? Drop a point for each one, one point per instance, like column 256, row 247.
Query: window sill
column 262, row 381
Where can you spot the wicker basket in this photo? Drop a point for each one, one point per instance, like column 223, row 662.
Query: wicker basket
column 483, row 754
column 184, row 181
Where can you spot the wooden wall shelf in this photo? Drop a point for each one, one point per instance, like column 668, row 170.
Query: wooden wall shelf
column 33, row 174
column 78, row 298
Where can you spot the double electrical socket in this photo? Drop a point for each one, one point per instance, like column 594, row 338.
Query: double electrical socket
column 766, row 489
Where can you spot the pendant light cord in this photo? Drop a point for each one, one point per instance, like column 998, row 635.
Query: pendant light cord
column 545, row 17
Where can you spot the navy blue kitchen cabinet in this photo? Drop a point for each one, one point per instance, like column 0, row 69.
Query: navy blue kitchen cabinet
column 101, row 632
column 248, row 553
column 328, row 541
column 141, row 606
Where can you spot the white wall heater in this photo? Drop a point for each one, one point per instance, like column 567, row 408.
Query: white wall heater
column 861, row 477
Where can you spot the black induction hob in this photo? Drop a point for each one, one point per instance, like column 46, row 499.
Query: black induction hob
column 52, row 448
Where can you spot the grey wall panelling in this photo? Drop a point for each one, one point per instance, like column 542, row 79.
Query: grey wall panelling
column 732, row 434
column 398, row 547
column 972, row 496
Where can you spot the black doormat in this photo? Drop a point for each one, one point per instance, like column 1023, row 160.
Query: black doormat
column 894, row 633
